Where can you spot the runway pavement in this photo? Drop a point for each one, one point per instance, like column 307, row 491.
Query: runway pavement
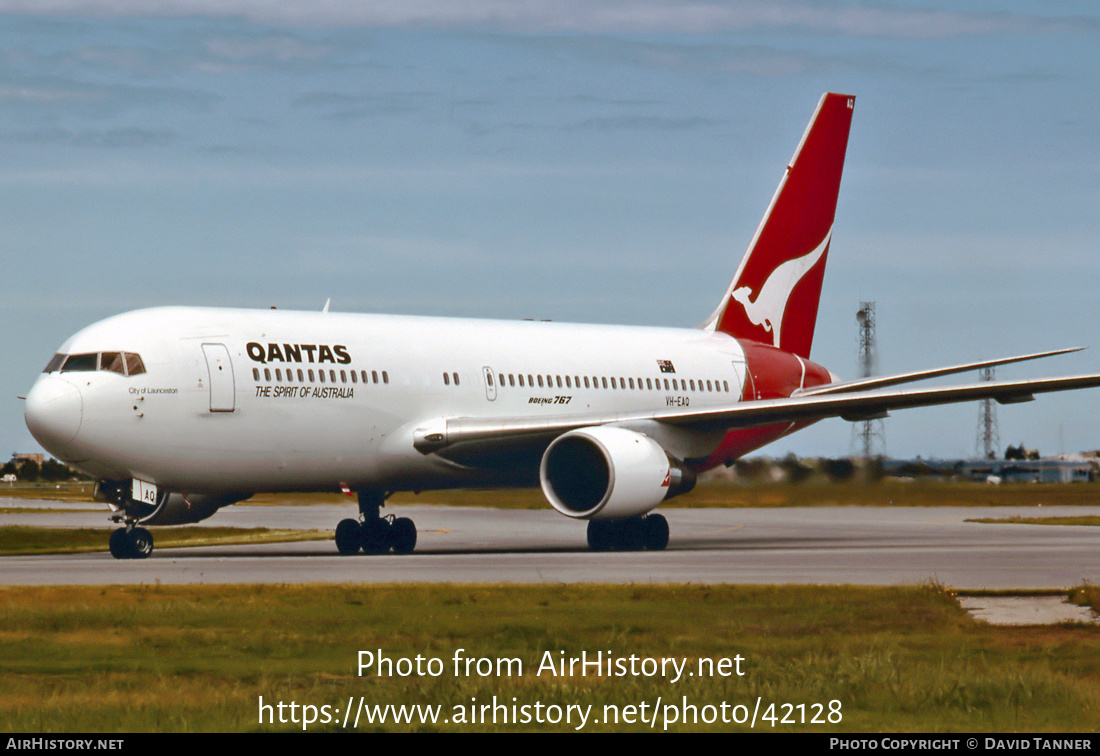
column 822, row 545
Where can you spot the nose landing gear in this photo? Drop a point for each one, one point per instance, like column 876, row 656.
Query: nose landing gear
column 131, row 543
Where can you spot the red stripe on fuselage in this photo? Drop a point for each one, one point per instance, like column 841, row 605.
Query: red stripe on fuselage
column 770, row 373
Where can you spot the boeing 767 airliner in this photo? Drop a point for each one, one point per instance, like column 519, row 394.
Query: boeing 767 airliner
column 178, row 411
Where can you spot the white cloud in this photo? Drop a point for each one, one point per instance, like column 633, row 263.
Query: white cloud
column 596, row 16
column 280, row 48
column 41, row 94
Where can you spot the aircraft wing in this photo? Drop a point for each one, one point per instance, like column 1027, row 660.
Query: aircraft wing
column 851, row 405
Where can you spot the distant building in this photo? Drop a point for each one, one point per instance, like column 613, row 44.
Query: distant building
column 19, row 459
column 1029, row 471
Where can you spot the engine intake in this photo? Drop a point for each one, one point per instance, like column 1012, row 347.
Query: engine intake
column 604, row 473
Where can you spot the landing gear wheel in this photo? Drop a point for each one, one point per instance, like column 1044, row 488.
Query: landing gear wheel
column 375, row 536
column 655, row 529
column 120, row 544
column 374, row 533
column 402, row 535
column 141, row 543
column 600, row 535
column 630, row 534
column 349, row 538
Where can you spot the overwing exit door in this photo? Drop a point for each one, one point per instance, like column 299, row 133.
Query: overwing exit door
column 490, row 383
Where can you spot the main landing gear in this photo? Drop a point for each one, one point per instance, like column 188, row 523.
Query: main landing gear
column 372, row 533
column 649, row 532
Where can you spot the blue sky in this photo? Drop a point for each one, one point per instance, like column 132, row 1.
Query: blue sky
column 596, row 161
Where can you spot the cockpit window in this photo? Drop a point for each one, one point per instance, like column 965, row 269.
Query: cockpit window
column 112, row 361
column 134, row 365
column 81, row 363
column 123, row 363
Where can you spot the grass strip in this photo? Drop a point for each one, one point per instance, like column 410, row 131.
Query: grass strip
column 24, row 539
column 1085, row 520
column 47, row 510
column 197, row 658
column 709, row 494
column 890, row 493
column 721, row 494
column 1086, row 595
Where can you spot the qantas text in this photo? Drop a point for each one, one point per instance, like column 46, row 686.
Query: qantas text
column 314, row 353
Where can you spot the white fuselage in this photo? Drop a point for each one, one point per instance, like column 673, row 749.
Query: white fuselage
column 216, row 410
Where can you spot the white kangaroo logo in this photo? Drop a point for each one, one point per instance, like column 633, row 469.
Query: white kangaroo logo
column 769, row 305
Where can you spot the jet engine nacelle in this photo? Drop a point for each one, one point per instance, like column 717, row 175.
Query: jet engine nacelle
column 607, row 473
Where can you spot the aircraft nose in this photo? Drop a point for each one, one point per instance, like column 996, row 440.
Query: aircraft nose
column 53, row 412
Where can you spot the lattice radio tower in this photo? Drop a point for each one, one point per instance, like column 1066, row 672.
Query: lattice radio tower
column 988, row 443
column 871, row 433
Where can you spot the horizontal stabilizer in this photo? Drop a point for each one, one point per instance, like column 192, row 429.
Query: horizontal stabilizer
column 878, row 382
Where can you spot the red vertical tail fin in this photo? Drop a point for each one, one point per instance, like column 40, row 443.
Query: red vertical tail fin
column 774, row 295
